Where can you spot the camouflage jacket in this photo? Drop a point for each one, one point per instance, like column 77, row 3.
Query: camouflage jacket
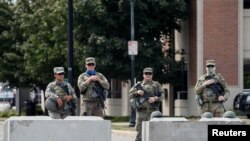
column 55, row 89
column 87, row 90
column 153, row 88
column 204, row 92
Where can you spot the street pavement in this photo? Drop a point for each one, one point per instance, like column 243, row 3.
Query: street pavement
column 117, row 135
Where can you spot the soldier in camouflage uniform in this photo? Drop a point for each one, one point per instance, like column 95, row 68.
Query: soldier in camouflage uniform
column 212, row 90
column 87, row 82
column 61, row 93
column 139, row 91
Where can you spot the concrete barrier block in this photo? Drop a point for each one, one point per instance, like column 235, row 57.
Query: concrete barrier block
column 218, row 120
column 43, row 128
column 180, row 129
column 170, row 119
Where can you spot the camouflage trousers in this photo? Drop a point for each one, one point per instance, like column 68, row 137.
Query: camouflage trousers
column 91, row 108
column 142, row 115
column 217, row 108
column 59, row 114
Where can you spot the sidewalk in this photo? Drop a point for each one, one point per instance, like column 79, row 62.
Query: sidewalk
column 122, row 128
column 122, row 132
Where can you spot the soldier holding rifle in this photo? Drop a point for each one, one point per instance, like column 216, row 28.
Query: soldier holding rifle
column 93, row 88
column 212, row 91
column 146, row 97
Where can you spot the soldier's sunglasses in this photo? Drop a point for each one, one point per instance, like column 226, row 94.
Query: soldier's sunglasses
column 91, row 64
column 60, row 73
column 148, row 73
column 210, row 66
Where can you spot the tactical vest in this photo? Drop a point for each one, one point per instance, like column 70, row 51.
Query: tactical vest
column 209, row 92
column 90, row 94
column 151, row 88
column 60, row 92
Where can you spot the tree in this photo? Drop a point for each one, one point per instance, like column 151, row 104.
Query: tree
column 11, row 63
column 38, row 38
column 103, row 29
column 45, row 46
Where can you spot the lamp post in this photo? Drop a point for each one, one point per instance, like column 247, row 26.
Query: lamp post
column 133, row 112
column 132, row 5
column 70, row 42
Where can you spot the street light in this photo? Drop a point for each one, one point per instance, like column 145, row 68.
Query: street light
column 133, row 112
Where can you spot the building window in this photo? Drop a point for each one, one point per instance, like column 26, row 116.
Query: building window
column 246, row 4
column 246, row 76
column 115, row 89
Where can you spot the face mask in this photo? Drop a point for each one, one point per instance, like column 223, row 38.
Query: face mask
column 91, row 72
column 210, row 70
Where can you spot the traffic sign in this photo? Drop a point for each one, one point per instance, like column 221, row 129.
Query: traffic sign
column 132, row 47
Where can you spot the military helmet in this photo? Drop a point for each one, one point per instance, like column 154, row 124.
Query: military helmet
column 58, row 69
column 210, row 62
column 155, row 114
column 50, row 105
column 229, row 114
column 207, row 115
column 148, row 69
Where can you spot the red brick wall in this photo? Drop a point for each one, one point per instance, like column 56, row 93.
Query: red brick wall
column 221, row 37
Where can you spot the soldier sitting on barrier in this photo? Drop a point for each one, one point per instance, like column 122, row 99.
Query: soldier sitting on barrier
column 211, row 91
column 60, row 96
column 145, row 97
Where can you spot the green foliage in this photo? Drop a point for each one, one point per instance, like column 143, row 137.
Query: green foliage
column 35, row 37
column 106, row 31
column 12, row 62
column 7, row 114
column 117, row 118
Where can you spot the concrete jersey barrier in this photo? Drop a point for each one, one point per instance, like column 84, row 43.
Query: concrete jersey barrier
column 43, row 128
column 181, row 129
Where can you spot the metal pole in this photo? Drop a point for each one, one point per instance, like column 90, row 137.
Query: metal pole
column 132, row 3
column 133, row 112
column 70, row 41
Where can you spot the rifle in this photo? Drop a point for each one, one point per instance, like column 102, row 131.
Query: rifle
column 217, row 87
column 146, row 95
column 101, row 92
column 72, row 103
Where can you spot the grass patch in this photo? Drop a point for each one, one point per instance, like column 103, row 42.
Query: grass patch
column 117, row 118
column 7, row 114
column 122, row 127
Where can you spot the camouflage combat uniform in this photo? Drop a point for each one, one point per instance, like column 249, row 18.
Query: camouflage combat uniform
column 54, row 90
column 210, row 99
column 144, row 111
column 90, row 103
